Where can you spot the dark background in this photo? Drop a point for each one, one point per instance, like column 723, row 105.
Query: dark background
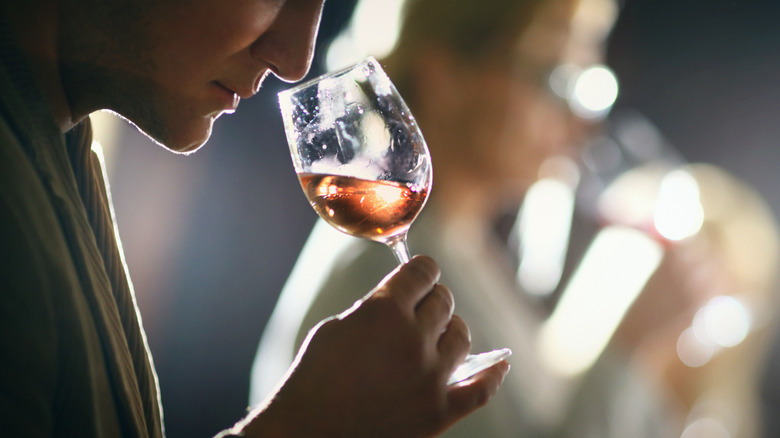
column 211, row 237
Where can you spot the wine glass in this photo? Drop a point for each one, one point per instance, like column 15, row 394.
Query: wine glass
column 363, row 163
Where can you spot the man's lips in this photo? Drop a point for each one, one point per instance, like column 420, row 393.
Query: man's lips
column 230, row 97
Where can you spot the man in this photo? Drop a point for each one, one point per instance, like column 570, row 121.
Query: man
column 74, row 355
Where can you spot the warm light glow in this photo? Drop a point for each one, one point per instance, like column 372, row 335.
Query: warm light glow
column 722, row 323
column 724, row 320
column 613, row 272
column 678, row 212
column 652, row 197
column 594, row 91
column 545, row 221
column 376, row 25
column 341, row 52
column 389, row 193
column 630, row 199
column 372, row 30
column 693, row 350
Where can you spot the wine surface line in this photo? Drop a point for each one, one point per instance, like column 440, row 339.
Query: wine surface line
column 371, row 209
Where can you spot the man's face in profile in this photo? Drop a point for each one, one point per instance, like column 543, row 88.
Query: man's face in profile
column 172, row 67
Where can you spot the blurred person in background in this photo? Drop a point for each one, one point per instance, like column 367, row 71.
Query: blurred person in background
column 699, row 329
column 476, row 79
column 706, row 75
column 75, row 356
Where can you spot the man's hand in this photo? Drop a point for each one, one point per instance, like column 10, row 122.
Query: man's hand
column 381, row 368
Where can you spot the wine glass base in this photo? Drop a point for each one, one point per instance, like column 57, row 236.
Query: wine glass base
column 474, row 363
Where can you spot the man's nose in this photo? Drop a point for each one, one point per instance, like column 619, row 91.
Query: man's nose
column 288, row 45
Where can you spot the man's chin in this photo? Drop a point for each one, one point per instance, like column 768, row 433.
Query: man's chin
column 185, row 140
column 187, row 149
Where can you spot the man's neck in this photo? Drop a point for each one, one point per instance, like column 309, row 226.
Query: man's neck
column 34, row 23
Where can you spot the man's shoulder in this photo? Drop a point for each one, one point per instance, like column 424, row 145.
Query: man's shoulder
column 21, row 188
column 29, row 227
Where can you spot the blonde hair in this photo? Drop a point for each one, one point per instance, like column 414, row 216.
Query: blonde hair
column 471, row 29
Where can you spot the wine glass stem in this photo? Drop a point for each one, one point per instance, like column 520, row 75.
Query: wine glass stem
column 401, row 251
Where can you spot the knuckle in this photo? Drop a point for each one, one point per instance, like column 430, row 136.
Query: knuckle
column 440, row 302
column 444, row 294
column 422, row 269
column 460, row 330
column 386, row 312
